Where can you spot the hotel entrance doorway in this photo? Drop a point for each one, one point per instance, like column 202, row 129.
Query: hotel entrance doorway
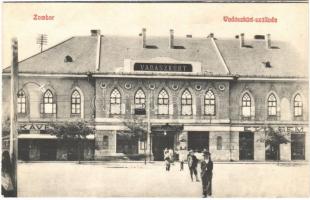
column 160, row 142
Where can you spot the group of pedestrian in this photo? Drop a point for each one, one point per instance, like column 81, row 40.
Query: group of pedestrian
column 206, row 165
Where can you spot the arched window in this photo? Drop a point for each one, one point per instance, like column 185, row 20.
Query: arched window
column 163, row 103
column 49, row 107
column 186, row 103
column 219, row 143
column 75, row 102
column 209, row 102
column 140, row 99
column 298, row 106
column 115, row 102
column 21, row 102
column 272, row 105
column 246, row 105
column 105, row 142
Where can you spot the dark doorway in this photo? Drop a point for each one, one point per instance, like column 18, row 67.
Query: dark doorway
column 198, row 141
column 246, row 146
column 297, row 147
column 272, row 151
column 75, row 148
column 159, row 143
column 23, row 149
column 48, row 149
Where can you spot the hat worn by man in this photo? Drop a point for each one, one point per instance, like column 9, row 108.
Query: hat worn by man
column 205, row 153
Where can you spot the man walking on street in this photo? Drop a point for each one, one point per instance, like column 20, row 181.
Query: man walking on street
column 206, row 174
column 192, row 164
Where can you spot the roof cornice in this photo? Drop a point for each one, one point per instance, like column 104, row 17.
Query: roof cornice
column 164, row 76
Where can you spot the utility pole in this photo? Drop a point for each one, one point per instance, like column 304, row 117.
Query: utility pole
column 42, row 40
column 13, row 118
column 149, row 125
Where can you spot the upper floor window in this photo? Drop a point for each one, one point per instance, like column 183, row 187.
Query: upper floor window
column 75, row 102
column 21, row 102
column 163, row 103
column 272, row 105
column 48, row 106
column 186, row 103
column 115, row 102
column 298, row 106
column 140, row 99
column 209, row 102
column 219, row 142
column 246, row 105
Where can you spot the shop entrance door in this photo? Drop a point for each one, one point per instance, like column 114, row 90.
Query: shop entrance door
column 246, row 146
column 272, row 151
column 159, row 143
column 298, row 147
column 198, row 141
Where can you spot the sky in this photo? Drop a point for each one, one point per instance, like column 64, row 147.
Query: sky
column 197, row 19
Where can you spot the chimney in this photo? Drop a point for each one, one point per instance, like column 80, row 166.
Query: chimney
column 94, row 32
column 268, row 41
column 241, row 40
column 144, row 37
column 171, row 39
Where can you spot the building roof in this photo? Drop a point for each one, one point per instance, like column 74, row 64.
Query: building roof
column 81, row 49
column 281, row 58
column 251, row 60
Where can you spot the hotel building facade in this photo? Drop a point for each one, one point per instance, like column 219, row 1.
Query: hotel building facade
column 222, row 95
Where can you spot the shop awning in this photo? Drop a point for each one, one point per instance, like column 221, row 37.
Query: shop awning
column 45, row 136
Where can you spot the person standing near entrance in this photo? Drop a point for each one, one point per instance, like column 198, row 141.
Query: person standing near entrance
column 192, row 164
column 171, row 155
column 206, row 174
column 167, row 159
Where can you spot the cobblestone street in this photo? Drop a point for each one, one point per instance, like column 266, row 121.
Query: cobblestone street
column 57, row 179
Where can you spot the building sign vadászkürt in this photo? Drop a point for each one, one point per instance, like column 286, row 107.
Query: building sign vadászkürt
column 163, row 67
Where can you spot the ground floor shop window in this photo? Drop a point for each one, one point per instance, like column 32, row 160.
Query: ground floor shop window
column 105, row 142
column 297, row 147
column 198, row 141
column 126, row 144
column 246, row 146
column 24, row 149
column 48, row 149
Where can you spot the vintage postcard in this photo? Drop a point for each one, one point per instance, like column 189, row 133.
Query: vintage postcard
column 138, row 99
